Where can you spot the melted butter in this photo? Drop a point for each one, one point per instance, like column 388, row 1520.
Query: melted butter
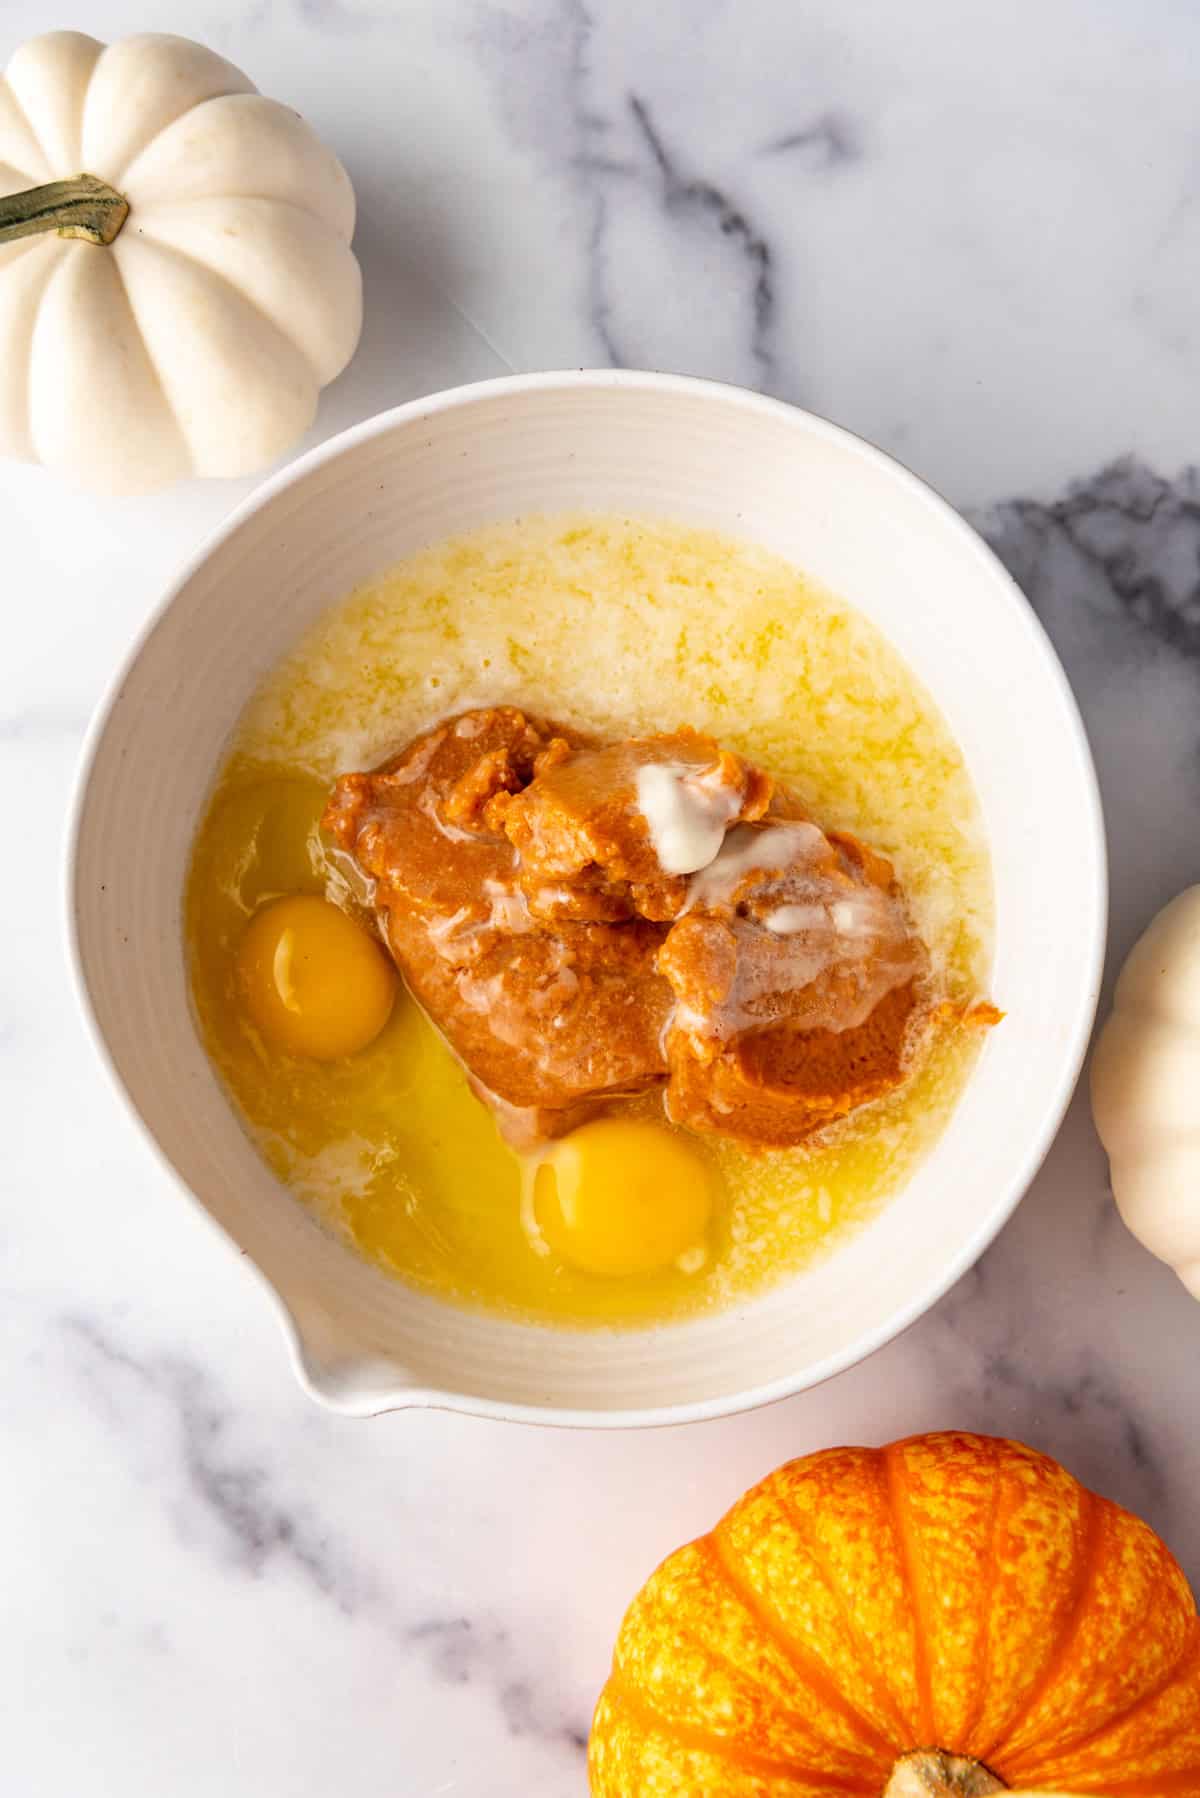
column 389, row 1147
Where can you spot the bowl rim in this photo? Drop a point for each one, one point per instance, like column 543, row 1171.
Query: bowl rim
column 1058, row 1095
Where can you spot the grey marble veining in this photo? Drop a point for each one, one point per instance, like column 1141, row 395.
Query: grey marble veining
column 977, row 242
column 622, row 162
column 225, row 1503
column 242, row 1511
column 1112, row 568
column 1126, row 537
column 698, row 211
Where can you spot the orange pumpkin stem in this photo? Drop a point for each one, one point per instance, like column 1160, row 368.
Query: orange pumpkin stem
column 932, row 1773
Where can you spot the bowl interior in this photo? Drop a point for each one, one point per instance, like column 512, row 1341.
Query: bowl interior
column 658, row 447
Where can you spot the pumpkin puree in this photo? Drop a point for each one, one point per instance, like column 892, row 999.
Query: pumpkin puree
column 768, row 977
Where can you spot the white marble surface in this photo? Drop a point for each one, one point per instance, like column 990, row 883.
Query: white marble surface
column 972, row 233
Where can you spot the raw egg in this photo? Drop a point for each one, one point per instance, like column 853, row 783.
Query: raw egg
column 624, row 1196
column 312, row 980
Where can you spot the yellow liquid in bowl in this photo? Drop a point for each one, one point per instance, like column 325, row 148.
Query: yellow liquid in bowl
column 614, row 626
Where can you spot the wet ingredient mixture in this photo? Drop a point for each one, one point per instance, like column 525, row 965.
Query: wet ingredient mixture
column 726, row 921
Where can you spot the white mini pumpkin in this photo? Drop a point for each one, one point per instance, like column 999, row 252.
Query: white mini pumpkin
column 1146, row 1088
column 178, row 285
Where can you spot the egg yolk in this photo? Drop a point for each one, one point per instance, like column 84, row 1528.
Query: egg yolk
column 623, row 1196
column 312, row 980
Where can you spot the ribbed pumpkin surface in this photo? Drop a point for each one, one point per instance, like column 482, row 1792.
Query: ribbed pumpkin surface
column 951, row 1591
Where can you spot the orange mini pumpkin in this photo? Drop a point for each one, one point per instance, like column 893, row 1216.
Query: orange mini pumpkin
column 954, row 1595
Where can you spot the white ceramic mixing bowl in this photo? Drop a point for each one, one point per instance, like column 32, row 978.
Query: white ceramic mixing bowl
column 652, row 445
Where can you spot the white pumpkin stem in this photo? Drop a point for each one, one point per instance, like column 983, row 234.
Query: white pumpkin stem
column 932, row 1773
column 82, row 207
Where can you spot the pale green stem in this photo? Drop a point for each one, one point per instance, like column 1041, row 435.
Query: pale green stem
column 81, row 207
